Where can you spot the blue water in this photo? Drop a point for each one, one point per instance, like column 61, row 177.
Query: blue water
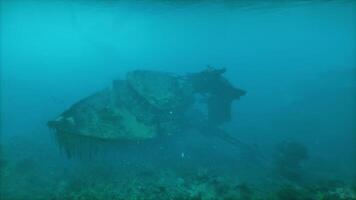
column 295, row 59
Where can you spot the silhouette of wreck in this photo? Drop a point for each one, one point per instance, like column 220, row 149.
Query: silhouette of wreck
column 148, row 105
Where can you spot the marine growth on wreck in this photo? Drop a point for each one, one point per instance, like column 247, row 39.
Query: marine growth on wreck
column 146, row 105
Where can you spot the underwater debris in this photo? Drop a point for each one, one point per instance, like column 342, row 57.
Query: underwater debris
column 146, row 105
column 289, row 158
column 291, row 192
column 245, row 191
column 342, row 192
column 220, row 93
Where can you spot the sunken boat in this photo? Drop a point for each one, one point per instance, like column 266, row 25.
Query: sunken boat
column 147, row 105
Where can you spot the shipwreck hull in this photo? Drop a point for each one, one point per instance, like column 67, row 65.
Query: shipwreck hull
column 147, row 105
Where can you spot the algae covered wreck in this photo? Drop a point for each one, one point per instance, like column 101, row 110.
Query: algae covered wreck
column 147, row 105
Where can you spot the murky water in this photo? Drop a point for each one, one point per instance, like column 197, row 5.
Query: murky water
column 292, row 136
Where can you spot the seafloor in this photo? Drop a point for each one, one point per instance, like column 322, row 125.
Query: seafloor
column 38, row 172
